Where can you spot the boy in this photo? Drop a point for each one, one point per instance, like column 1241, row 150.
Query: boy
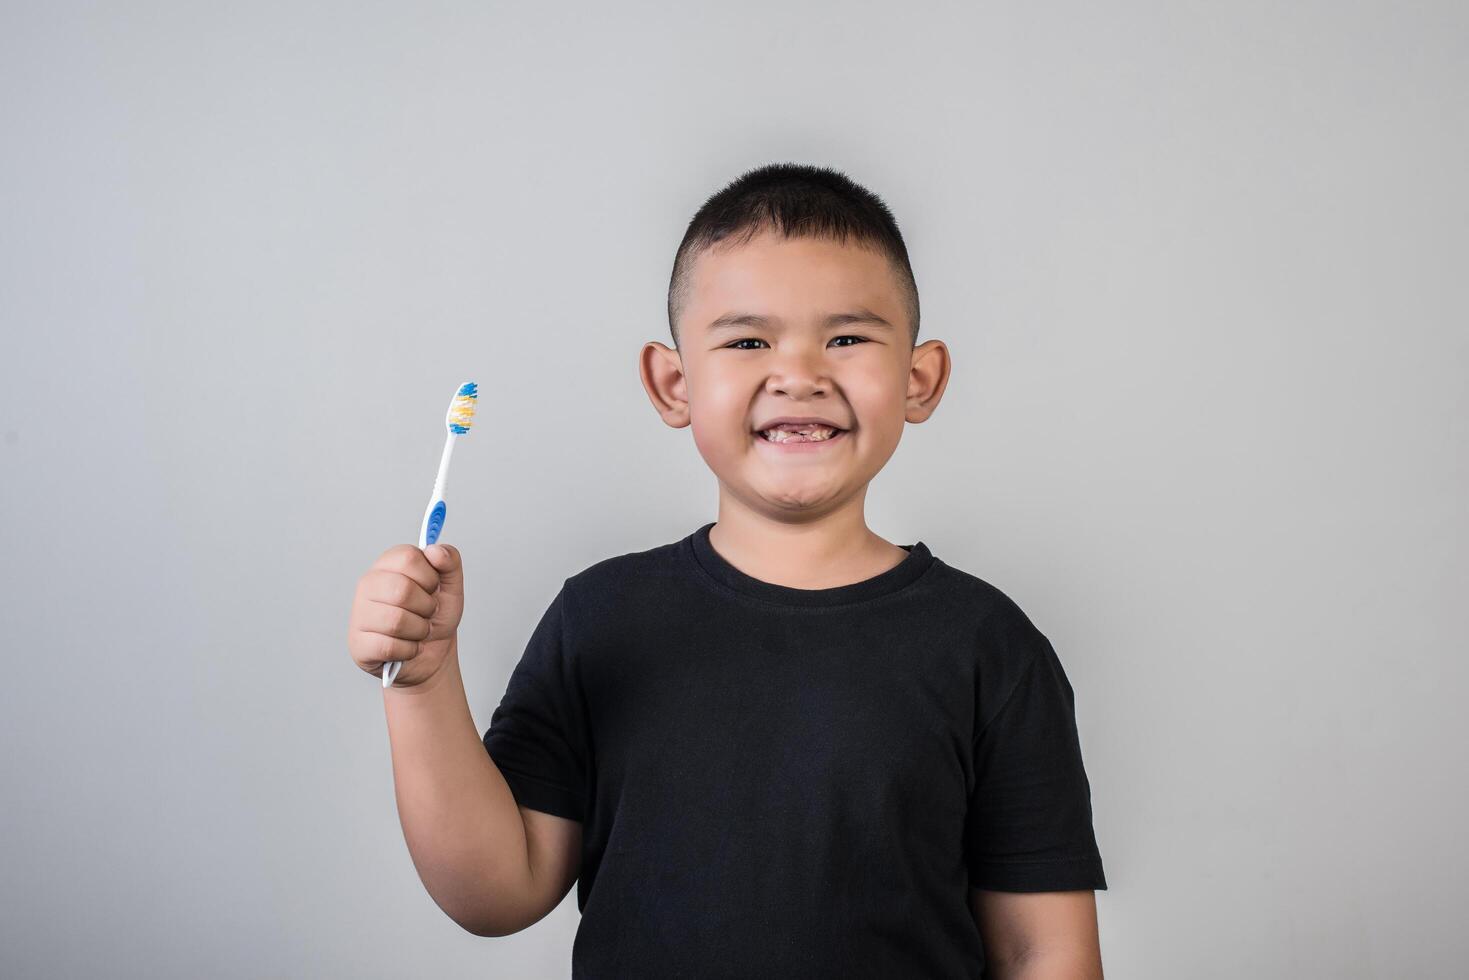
column 780, row 746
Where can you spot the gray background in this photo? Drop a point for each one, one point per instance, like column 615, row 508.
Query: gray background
column 1202, row 272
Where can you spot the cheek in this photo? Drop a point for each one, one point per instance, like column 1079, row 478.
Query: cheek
column 702, row 441
column 718, row 416
column 714, row 440
column 880, row 406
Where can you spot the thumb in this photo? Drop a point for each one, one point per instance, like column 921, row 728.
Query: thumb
column 446, row 561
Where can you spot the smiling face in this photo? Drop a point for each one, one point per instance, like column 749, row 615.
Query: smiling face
column 804, row 328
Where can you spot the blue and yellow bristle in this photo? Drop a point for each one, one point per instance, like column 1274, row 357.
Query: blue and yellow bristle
column 461, row 410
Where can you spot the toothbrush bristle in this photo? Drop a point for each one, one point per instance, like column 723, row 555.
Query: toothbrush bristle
column 461, row 410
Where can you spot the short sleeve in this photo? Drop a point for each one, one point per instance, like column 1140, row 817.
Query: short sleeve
column 537, row 734
column 1029, row 826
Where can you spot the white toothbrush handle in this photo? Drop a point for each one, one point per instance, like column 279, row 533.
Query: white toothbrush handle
column 428, row 533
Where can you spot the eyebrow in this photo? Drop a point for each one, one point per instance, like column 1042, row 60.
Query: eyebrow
column 734, row 320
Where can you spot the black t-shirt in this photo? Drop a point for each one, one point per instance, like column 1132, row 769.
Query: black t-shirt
column 789, row 782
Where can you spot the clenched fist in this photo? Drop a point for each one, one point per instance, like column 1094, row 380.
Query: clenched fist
column 407, row 607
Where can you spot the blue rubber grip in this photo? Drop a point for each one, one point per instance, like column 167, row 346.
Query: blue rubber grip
column 435, row 523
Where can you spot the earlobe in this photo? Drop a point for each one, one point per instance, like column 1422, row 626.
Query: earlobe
column 663, row 379
column 927, row 378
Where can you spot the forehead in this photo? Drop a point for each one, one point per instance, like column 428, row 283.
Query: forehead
column 790, row 276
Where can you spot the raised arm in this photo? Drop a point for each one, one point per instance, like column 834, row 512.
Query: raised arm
column 492, row 866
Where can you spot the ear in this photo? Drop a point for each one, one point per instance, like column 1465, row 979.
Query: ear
column 663, row 379
column 927, row 378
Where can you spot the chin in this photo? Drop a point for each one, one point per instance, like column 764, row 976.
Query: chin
column 798, row 498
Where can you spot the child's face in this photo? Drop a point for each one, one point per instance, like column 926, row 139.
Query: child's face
column 816, row 353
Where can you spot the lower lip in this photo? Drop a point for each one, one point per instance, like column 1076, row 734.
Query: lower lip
column 801, row 447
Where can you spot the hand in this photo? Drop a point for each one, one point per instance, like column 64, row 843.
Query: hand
column 407, row 607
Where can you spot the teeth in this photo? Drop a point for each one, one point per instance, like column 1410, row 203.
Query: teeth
column 806, row 433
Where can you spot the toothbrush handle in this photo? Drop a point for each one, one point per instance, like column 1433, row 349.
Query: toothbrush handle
column 433, row 524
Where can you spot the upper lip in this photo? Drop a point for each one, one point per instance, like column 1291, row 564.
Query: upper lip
column 797, row 420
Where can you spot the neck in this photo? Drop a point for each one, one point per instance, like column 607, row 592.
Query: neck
column 802, row 550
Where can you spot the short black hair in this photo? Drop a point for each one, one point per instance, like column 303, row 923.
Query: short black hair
column 795, row 200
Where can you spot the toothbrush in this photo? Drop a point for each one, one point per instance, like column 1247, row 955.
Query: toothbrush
column 461, row 414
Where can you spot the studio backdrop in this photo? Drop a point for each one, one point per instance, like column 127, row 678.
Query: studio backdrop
column 1201, row 273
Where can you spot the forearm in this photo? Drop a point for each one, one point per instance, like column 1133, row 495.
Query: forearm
column 1063, row 964
column 463, row 827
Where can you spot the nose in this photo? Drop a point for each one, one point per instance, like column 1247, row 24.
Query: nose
column 799, row 375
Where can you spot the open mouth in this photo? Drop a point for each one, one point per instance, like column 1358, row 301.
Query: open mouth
column 802, row 436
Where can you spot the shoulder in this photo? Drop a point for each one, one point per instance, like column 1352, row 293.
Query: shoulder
column 990, row 609
column 622, row 580
column 1005, row 641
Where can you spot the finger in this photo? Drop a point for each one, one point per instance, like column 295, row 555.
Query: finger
column 384, row 648
column 406, row 559
column 397, row 589
column 395, row 621
column 450, row 566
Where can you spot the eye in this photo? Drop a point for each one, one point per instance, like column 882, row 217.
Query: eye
column 757, row 340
